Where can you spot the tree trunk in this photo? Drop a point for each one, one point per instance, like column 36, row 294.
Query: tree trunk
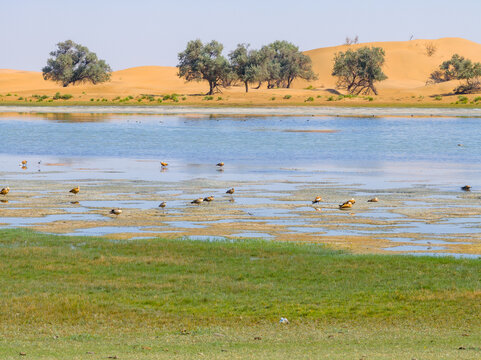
column 258, row 86
column 211, row 88
column 247, row 86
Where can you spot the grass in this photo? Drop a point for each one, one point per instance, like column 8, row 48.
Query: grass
column 62, row 297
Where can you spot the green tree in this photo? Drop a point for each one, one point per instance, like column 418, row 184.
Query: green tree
column 205, row 62
column 459, row 68
column 73, row 63
column 283, row 63
column 247, row 65
column 358, row 70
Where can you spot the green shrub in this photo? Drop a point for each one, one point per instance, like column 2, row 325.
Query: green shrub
column 310, row 87
column 287, row 97
column 159, row 100
column 477, row 99
column 8, row 94
column 310, row 98
column 166, row 97
column 130, row 97
column 273, row 98
column 318, row 96
column 20, row 98
column 208, row 98
column 438, row 98
column 330, row 98
column 219, row 98
column 462, row 100
column 184, row 98
column 63, row 97
column 369, row 98
column 116, row 98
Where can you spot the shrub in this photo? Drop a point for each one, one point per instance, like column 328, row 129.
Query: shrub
column 287, row 97
column 438, row 98
column 63, row 97
column 431, row 49
column 8, row 94
column 477, row 99
column 20, row 98
column 462, row 100
column 116, row 98
column 273, row 98
column 208, row 97
column 130, row 97
column 184, row 98
column 91, row 99
column 310, row 98
column 166, row 97
column 159, row 100
column 219, row 98
column 310, row 87
column 369, row 98
column 330, row 98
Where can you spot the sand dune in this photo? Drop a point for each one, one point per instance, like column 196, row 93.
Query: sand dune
column 407, row 67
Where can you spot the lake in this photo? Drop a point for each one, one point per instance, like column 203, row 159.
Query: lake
column 276, row 163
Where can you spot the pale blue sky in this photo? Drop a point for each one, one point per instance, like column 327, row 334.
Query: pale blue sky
column 148, row 32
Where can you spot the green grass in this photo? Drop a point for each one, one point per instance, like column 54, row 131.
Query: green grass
column 62, row 297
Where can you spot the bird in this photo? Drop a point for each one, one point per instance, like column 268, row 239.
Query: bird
column 164, row 164
column 230, row 191
column 116, row 211
column 5, row 191
column 352, row 201
column 75, row 190
column 24, row 162
column 317, row 200
column 466, row 188
column 5, row 201
column 346, row 205
column 197, row 201
column 209, row 198
column 373, row 200
column 163, row 204
column 220, row 164
column 74, row 202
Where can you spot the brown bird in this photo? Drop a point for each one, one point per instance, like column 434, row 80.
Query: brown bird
column 209, row 198
column 230, row 191
column 317, row 200
column 74, row 202
column 197, row 201
column 5, row 201
column 75, row 190
column 24, row 162
column 373, row 200
column 346, row 205
column 164, row 164
column 162, row 204
column 116, row 211
column 466, row 188
column 220, row 164
column 352, row 201
column 5, row 191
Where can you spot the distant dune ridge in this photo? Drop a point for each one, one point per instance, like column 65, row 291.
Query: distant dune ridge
column 407, row 66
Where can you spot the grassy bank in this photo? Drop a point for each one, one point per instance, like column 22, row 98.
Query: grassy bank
column 91, row 298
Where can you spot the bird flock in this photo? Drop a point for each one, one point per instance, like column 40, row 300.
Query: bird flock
column 117, row 211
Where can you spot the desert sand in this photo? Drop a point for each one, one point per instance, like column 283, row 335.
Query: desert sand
column 407, row 66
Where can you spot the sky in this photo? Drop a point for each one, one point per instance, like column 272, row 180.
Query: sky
column 148, row 32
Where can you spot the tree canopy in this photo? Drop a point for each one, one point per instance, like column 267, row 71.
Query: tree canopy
column 284, row 63
column 278, row 64
column 204, row 62
column 459, row 68
column 73, row 63
column 247, row 65
column 358, row 70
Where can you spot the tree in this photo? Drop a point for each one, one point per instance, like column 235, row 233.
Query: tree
column 73, row 63
column 359, row 69
column 247, row 65
column 459, row 68
column 283, row 63
column 205, row 62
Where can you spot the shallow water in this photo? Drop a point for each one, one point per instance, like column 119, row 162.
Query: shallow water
column 416, row 163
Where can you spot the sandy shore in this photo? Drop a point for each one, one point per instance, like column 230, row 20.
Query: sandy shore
column 240, row 111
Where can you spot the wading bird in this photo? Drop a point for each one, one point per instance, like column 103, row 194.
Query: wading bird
column 346, row 205
column 5, row 191
column 373, row 200
column 75, row 190
column 197, row 201
column 317, row 200
column 164, row 164
column 220, row 164
column 466, row 188
column 116, row 211
column 230, row 191
column 209, row 198
column 162, row 204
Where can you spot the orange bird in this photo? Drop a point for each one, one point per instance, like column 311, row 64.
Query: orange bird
column 5, row 191
column 230, row 191
column 164, row 164
column 317, row 200
column 75, row 190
